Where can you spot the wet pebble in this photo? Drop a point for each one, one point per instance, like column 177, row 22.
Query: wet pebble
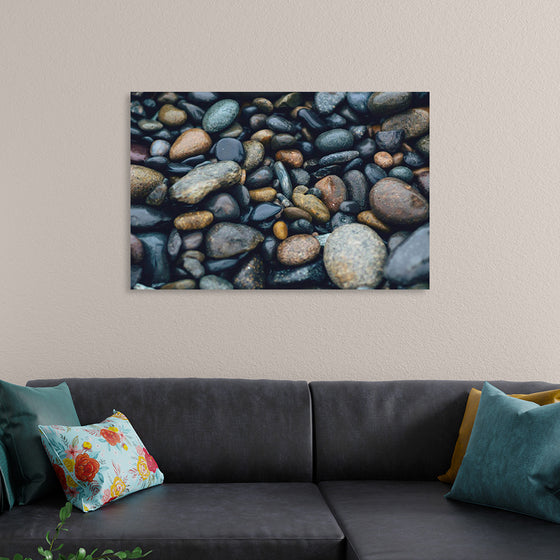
column 336, row 140
column 230, row 149
column 297, row 250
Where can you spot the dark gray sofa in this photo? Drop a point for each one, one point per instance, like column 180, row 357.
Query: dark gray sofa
column 284, row 470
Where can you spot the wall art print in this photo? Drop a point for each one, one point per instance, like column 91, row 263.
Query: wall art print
column 279, row 190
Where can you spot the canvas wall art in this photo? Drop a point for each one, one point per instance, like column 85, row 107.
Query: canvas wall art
column 279, row 190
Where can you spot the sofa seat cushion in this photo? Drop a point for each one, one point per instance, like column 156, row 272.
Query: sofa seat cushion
column 231, row 521
column 411, row 520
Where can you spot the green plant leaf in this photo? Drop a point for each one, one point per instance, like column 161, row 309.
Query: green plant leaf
column 4, row 558
column 104, row 553
column 81, row 554
column 47, row 537
column 121, row 555
column 18, row 557
column 58, row 547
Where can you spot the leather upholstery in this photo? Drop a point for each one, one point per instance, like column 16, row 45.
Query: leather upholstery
column 209, row 430
column 413, row 521
column 399, row 430
column 272, row 521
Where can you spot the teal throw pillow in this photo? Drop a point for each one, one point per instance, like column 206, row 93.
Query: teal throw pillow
column 21, row 410
column 513, row 457
column 99, row 463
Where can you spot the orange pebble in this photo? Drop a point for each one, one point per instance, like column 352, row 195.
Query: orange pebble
column 383, row 159
column 280, row 230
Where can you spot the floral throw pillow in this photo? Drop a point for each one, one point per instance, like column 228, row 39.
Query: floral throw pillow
column 99, row 463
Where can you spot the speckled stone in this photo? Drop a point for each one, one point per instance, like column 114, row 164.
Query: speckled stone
column 409, row 263
column 297, row 250
column 303, row 276
column 396, row 203
column 254, row 154
column 326, row 102
column 212, row 282
column 201, row 181
column 193, row 220
column 384, row 103
column 250, row 275
column 354, row 257
column 186, row 284
column 225, row 240
column 170, row 116
column 414, row 122
column 333, row 192
column 192, row 142
column 142, row 181
column 220, row 116
column 143, row 218
column 313, row 206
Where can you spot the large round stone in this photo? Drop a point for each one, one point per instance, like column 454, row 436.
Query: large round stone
column 354, row 257
column 414, row 122
column 383, row 103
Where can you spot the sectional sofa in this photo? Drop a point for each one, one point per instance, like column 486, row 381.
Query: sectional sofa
column 285, row 470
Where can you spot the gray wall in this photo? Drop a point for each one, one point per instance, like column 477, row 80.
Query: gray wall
column 493, row 310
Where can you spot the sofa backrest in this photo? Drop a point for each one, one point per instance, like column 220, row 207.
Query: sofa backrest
column 402, row 430
column 209, row 430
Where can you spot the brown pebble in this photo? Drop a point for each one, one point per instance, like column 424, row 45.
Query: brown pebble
column 368, row 218
column 307, row 134
column 280, row 230
column 398, row 158
column 192, row 142
column 263, row 104
column 142, row 181
column 383, row 159
column 294, row 213
column 298, row 249
column 266, row 194
column 373, row 129
column 171, row 116
column 243, row 176
column 292, row 158
column 263, row 136
column 407, row 147
column 334, row 191
column 193, row 220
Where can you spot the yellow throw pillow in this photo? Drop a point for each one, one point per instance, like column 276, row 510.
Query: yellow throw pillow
column 541, row 398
